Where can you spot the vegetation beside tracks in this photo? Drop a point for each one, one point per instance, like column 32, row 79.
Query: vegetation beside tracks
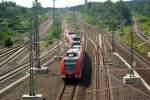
column 144, row 24
column 54, row 32
column 112, row 19
column 15, row 21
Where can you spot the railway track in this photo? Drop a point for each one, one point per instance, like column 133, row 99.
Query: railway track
column 91, row 32
column 136, row 29
column 124, row 46
column 101, row 82
column 68, row 89
column 125, row 52
column 101, row 79
column 96, row 79
column 138, row 57
column 2, row 53
column 141, row 62
column 42, row 30
column 5, row 54
column 8, row 56
column 122, row 70
column 25, row 65
column 44, row 27
column 67, row 92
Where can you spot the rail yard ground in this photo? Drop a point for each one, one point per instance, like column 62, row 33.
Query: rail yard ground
column 85, row 89
column 107, row 38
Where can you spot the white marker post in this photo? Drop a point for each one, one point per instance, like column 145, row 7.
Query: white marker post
column 148, row 54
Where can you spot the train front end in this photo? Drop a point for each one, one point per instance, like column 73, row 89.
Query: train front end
column 70, row 66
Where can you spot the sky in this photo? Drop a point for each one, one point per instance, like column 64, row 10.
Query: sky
column 49, row 3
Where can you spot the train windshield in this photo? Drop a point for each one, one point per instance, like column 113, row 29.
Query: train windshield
column 70, row 64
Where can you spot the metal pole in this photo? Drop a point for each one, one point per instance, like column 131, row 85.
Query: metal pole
column 98, row 48
column 54, row 9
column 74, row 18
column 86, row 1
column 31, row 88
column 113, row 42
column 57, row 24
column 54, row 22
column 113, row 38
column 131, row 44
column 37, row 47
column 86, row 6
column 132, row 53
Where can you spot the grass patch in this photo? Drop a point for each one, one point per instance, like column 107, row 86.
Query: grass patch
column 144, row 23
column 54, row 32
column 94, row 21
column 6, row 35
column 71, row 21
column 125, row 35
column 43, row 18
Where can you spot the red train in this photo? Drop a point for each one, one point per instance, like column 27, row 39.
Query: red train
column 70, row 37
column 71, row 64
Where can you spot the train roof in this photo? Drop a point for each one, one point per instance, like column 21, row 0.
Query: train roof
column 72, row 34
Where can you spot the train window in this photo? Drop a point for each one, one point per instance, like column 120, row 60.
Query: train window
column 76, row 43
column 70, row 64
column 71, row 54
column 76, row 39
column 77, row 47
column 71, row 33
column 70, row 61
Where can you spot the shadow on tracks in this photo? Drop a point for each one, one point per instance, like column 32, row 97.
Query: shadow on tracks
column 86, row 77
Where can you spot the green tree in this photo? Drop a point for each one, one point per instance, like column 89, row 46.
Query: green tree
column 7, row 35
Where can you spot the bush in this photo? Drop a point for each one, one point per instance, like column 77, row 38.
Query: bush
column 8, row 42
column 143, row 20
column 53, row 32
column 7, row 35
column 90, row 20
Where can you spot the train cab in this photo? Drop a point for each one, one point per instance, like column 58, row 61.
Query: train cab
column 70, row 64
